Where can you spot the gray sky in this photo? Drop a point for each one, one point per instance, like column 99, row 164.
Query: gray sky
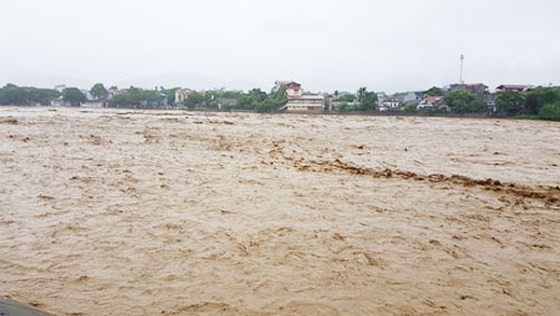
column 390, row 46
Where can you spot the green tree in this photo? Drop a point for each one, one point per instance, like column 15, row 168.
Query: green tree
column 537, row 98
column 137, row 97
column 464, row 102
column 347, row 98
column 43, row 96
column 510, row 103
column 410, row 107
column 98, row 91
column 367, row 99
column 550, row 111
column 196, row 100
column 343, row 106
column 222, row 93
column 369, row 103
column 14, row 95
column 434, row 92
column 214, row 96
column 252, row 99
column 170, row 94
column 275, row 100
column 361, row 94
column 74, row 96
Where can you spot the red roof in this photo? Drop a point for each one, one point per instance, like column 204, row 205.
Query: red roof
column 293, row 85
column 288, row 84
column 433, row 100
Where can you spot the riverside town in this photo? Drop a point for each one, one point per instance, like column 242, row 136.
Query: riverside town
column 472, row 99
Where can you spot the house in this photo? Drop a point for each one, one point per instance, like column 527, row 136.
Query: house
column 162, row 102
column 409, row 97
column 477, row 89
column 293, row 89
column 432, row 103
column 94, row 102
column 225, row 102
column 59, row 102
column 389, row 104
column 512, row 87
column 181, row 95
column 297, row 101
column 381, row 97
column 113, row 90
column 305, row 103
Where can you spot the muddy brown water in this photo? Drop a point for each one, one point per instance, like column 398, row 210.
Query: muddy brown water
column 112, row 212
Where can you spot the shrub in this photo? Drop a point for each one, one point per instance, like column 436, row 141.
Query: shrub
column 410, row 107
column 538, row 97
column 464, row 102
column 550, row 111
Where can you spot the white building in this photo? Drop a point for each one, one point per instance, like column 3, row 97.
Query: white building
column 181, row 95
column 305, row 103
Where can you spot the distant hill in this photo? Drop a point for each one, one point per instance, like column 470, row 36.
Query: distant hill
column 47, row 81
column 191, row 80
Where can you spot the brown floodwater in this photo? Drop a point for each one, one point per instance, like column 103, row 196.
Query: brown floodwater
column 117, row 212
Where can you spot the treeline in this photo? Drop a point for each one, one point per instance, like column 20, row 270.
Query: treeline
column 541, row 102
column 253, row 100
column 260, row 101
column 362, row 100
column 462, row 102
column 136, row 96
column 14, row 95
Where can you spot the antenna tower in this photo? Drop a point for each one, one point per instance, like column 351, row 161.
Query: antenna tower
column 461, row 71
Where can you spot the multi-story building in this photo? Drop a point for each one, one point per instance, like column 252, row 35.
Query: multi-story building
column 181, row 95
column 477, row 89
column 306, row 103
column 297, row 101
column 293, row 89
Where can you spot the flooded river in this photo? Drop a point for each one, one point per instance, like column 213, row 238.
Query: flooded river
column 115, row 212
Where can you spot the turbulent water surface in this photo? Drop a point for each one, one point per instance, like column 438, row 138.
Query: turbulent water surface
column 106, row 212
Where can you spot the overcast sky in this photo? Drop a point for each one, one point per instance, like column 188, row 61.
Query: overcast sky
column 390, row 45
